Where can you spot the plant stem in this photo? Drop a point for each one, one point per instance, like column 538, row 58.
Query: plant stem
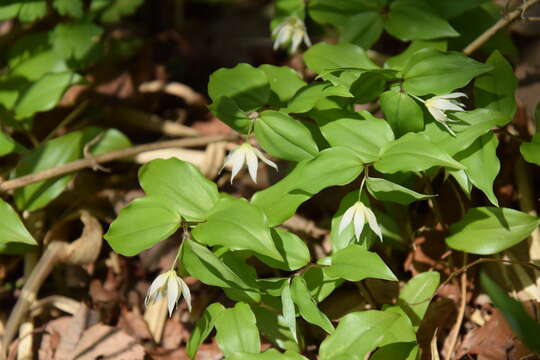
column 504, row 21
column 454, row 333
column 107, row 157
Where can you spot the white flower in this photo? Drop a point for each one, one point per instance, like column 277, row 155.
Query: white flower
column 246, row 153
column 292, row 30
column 171, row 285
column 437, row 106
column 358, row 214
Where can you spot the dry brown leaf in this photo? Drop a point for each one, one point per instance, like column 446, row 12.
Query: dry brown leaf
column 81, row 320
column 174, row 333
column 491, row 341
column 102, row 341
column 133, row 324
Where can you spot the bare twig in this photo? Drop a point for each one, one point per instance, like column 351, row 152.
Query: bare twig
column 110, row 156
column 80, row 252
column 463, row 302
column 503, row 22
column 190, row 96
column 151, row 122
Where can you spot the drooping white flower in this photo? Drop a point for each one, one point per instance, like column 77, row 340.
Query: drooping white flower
column 438, row 105
column 358, row 214
column 246, row 153
column 171, row 285
column 292, row 30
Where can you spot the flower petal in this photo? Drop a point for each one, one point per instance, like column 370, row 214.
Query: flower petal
column 445, row 105
column 296, row 40
column 452, row 95
column 372, row 220
column 307, row 40
column 346, row 219
column 172, row 292
column 252, row 163
column 264, row 159
column 283, row 35
column 237, row 160
column 358, row 221
column 448, row 128
column 185, row 292
column 437, row 114
column 154, row 289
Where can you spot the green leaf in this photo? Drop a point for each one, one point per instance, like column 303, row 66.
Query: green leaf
column 282, row 136
column 44, row 94
column 73, row 8
column 7, row 144
column 271, row 354
column 415, row 296
column 495, row 90
column 307, row 97
column 482, row 164
column 246, row 85
column 55, row 152
column 228, row 111
column 334, row 166
column 357, row 334
column 401, row 330
column 385, row 190
column 202, row 330
column 12, row 229
column 452, row 8
column 434, row 72
column 523, row 325
column 236, row 224
column 473, row 125
column 286, row 8
column 293, row 250
column 183, row 184
column 273, row 326
column 336, row 12
column 10, row 89
column 288, row 309
column 463, row 181
column 237, row 331
column 212, row 270
column 531, row 150
column 369, row 86
column 9, row 11
column 402, row 112
column 415, row 20
column 284, row 83
column 366, row 137
column 355, row 263
column 397, row 351
column 307, row 307
column 142, row 224
column 36, row 66
column 413, row 152
column 322, row 57
column 75, row 40
column 362, row 29
column 489, row 230
column 112, row 139
column 32, row 10
column 118, row 9
column 399, row 62
column 319, row 283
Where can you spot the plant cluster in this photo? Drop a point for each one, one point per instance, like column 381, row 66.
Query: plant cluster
column 390, row 130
